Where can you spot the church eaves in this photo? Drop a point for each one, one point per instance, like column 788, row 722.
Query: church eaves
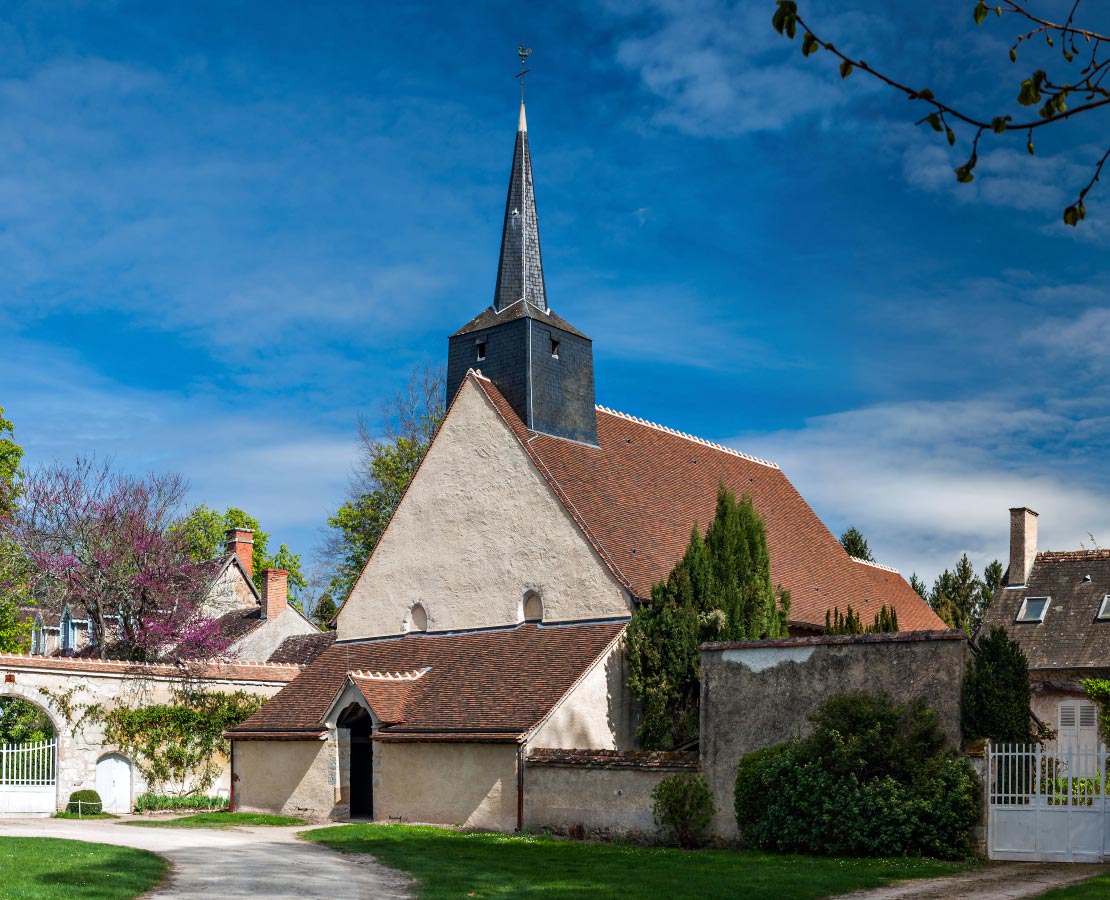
column 520, row 268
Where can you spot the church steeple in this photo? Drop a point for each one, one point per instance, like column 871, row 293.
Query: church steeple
column 520, row 268
column 542, row 365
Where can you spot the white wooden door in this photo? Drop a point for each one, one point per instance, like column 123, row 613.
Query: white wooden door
column 113, row 783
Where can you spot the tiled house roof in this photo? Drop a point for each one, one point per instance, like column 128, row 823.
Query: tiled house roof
column 302, row 648
column 495, row 684
column 1071, row 634
column 638, row 494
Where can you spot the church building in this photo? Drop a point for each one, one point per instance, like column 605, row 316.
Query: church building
column 488, row 623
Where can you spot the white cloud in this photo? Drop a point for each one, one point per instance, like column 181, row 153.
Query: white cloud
column 928, row 481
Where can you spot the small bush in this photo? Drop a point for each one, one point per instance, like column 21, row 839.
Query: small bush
column 162, row 802
column 874, row 779
column 683, row 806
column 85, row 802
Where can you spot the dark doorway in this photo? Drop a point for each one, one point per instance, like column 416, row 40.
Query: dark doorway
column 361, row 726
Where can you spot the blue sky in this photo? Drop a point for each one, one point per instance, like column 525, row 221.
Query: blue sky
column 227, row 229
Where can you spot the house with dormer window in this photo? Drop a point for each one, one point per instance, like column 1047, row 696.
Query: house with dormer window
column 1056, row 605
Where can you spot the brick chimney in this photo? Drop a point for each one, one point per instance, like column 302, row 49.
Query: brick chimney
column 275, row 592
column 1023, row 544
column 241, row 543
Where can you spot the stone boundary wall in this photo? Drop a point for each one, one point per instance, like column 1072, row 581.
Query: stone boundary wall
column 597, row 793
column 755, row 694
column 38, row 679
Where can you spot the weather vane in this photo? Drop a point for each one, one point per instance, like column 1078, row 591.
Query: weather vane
column 523, row 53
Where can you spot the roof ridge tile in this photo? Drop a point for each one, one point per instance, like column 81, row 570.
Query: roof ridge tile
column 666, row 429
column 873, row 564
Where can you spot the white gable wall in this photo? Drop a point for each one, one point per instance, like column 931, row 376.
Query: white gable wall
column 478, row 528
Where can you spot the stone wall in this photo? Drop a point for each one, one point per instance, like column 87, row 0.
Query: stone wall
column 44, row 681
column 758, row 693
column 590, row 793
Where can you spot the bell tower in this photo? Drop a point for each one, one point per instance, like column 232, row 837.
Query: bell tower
column 541, row 363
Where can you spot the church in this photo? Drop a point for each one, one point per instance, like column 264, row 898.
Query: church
column 487, row 626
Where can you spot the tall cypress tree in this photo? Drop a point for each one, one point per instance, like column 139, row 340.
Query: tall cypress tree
column 720, row 590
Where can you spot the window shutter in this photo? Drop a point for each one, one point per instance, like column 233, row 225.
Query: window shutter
column 1067, row 717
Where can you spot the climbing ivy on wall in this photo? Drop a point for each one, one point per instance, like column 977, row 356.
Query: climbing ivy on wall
column 178, row 747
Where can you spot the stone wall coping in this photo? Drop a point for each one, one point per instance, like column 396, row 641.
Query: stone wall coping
column 616, row 759
column 899, row 637
column 214, row 669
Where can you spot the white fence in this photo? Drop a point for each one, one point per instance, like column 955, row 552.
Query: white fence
column 28, row 775
column 1048, row 803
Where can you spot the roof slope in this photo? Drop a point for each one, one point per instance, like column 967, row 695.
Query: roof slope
column 500, row 682
column 638, row 494
column 1071, row 635
column 302, row 648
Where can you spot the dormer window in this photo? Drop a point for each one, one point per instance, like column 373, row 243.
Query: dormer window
column 554, row 349
column 1033, row 609
column 1104, row 610
column 481, row 346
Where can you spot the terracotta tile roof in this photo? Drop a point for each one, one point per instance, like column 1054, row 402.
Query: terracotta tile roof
column 615, row 759
column 499, row 683
column 216, row 669
column 237, row 624
column 1071, row 634
column 390, row 695
column 303, row 648
column 637, row 495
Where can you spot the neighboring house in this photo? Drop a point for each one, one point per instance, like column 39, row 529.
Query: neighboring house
column 488, row 622
column 254, row 623
column 1056, row 605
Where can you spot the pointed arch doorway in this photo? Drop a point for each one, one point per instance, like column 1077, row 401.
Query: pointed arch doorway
column 358, row 721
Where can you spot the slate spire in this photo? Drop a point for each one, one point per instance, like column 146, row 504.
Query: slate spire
column 520, row 268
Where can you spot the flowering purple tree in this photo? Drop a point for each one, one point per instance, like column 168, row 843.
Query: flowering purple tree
column 103, row 541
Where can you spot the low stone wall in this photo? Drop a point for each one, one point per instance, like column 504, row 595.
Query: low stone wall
column 755, row 694
column 596, row 793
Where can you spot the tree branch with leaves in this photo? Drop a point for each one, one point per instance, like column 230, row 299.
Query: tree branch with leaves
column 1085, row 71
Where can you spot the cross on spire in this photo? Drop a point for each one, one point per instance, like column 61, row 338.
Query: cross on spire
column 523, row 53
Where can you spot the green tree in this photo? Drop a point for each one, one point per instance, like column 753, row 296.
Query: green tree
column 15, row 631
column 886, row 620
column 918, row 585
column 961, row 597
column 205, row 531
column 386, row 464
column 324, row 611
column 996, row 692
column 855, row 544
column 21, row 722
column 720, row 590
column 1079, row 71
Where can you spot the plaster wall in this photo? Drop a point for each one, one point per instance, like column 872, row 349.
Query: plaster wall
column 260, row 644
column 473, row 785
column 603, row 801
column 79, row 750
column 478, row 527
column 597, row 714
column 762, row 694
column 1051, row 687
column 229, row 592
column 292, row 778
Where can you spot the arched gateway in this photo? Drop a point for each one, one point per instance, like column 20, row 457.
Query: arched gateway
column 28, row 759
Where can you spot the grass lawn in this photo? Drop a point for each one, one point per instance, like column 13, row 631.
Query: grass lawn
column 49, row 868
column 66, row 814
column 454, row 864
column 1097, row 888
column 218, row 820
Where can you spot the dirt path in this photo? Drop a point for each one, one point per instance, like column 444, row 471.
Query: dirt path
column 999, row 881
column 235, row 863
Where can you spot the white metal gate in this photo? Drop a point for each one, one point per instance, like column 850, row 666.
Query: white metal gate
column 28, row 778
column 1048, row 803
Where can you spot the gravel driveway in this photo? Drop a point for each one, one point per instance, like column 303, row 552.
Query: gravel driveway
column 235, row 862
column 999, row 881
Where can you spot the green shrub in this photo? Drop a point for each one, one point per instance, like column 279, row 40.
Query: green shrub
column 85, row 802
column 161, row 802
column 996, row 696
column 874, row 779
column 683, row 806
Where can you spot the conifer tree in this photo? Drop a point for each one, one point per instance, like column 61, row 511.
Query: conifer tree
column 996, row 693
column 855, row 544
column 720, row 590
